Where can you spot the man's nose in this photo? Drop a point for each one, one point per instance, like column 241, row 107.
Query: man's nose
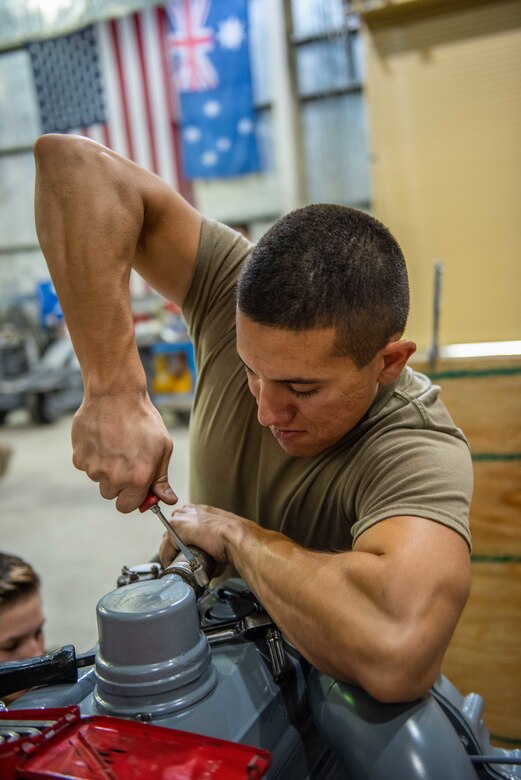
column 272, row 407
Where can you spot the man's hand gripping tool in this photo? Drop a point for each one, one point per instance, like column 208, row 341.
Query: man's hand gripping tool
column 197, row 569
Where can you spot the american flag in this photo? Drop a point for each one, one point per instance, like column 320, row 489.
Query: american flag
column 209, row 55
column 111, row 82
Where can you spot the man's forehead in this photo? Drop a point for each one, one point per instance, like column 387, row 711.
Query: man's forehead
column 300, row 356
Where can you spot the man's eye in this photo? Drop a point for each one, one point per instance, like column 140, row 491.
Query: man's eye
column 249, row 373
column 303, row 393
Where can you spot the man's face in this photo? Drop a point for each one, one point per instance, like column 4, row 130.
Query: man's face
column 21, row 629
column 307, row 396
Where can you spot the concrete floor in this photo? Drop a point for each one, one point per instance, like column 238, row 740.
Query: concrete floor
column 54, row 517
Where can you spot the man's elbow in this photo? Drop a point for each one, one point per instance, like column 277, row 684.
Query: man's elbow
column 400, row 674
column 51, row 144
column 395, row 685
column 65, row 156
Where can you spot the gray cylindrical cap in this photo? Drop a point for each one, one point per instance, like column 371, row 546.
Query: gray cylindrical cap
column 147, row 622
column 153, row 656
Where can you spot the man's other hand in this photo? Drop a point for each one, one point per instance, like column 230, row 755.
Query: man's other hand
column 213, row 530
column 121, row 442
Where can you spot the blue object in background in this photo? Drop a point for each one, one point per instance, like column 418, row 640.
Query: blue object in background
column 209, row 55
column 49, row 307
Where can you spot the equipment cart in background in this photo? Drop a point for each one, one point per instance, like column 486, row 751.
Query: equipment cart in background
column 172, row 377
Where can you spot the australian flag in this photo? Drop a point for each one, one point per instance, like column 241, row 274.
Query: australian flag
column 209, row 55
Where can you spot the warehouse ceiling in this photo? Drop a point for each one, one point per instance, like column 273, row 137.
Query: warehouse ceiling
column 29, row 20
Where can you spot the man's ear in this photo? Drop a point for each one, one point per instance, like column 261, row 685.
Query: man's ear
column 394, row 357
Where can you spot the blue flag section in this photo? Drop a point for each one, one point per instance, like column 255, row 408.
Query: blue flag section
column 209, row 56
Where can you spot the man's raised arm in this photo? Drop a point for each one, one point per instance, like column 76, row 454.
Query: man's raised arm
column 97, row 215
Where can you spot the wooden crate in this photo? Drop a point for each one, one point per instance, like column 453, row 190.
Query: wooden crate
column 495, row 513
column 484, row 399
column 484, row 655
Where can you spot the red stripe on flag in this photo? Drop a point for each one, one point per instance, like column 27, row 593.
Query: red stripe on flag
column 160, row 28
column 106, row 135
column 122, row 88
column 141, row 116
column 146, row 93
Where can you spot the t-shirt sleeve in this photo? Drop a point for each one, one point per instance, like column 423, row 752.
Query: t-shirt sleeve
column 209, row 307
column 423, row 473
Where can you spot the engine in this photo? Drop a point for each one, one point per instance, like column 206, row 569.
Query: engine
column 191, row 682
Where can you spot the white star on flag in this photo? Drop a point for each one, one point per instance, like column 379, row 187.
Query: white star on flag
column 209, row 158
column 223, row 144
column 210, row 57
column 245, row 126
column 231, row 33
column 192, row 134
column 212, row 108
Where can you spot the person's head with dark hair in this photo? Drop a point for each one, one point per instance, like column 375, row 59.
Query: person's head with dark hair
column 327, row 266
column 21, row 613
column 322, row 303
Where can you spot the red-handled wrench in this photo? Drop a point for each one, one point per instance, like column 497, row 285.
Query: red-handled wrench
column 152, row 502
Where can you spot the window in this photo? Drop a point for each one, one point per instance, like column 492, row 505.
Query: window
column 329, row 57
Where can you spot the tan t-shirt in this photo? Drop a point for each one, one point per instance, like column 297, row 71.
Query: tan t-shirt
column 405, row 457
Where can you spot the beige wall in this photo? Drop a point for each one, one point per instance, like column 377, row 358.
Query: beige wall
column 444, row 100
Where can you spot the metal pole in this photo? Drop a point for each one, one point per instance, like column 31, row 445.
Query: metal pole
column 286, row 109
column 434, row 348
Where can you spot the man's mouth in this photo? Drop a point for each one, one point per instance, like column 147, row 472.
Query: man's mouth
column 284, row 434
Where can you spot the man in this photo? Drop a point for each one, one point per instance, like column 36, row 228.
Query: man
column 322, row 469
column 21, row 612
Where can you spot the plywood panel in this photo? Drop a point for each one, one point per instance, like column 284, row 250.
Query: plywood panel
column 484, row 398
column 495, row 516
column 483, row 395
column 485, row 653
column 487, row 409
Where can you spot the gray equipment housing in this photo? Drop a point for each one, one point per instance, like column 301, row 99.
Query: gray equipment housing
column 208, row 665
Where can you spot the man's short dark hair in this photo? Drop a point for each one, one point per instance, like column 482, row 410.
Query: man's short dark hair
column 327, row 266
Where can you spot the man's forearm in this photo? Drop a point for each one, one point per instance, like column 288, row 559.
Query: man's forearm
column 372, row 617
column 307, row 594
column 88, row 227
column 90, row 211
column 380, row 616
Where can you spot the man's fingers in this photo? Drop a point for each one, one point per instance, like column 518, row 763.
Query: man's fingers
column 162, row 489
column 160, row 486
column 108, row 492
column 130, row 499
column 167, row 551
column 122, row 443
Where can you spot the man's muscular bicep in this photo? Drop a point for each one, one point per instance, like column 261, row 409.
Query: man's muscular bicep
column 129, row 210
column 428, row 576
column 169, row 241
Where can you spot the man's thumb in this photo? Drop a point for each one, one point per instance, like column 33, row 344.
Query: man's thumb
column 164, row 492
